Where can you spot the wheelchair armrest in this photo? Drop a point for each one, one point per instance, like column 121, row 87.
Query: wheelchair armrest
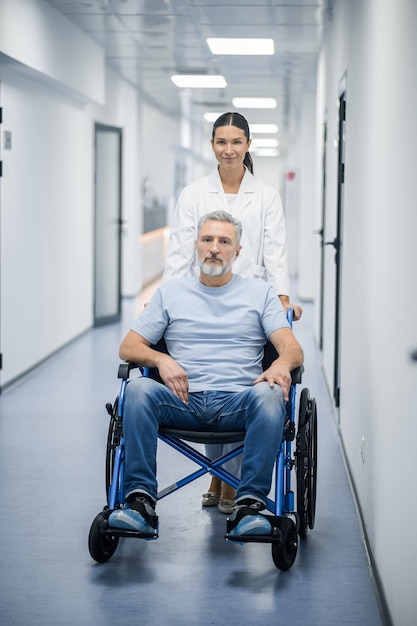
column 125, row 369
column 297, row 375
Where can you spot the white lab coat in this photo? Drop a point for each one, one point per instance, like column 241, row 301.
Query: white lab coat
column 257, row 206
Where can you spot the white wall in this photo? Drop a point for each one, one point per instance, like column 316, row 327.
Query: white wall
column 35, row 35
column 320, row 147
column 306, row 248
column 160, row 136
column 122, row 108
column 46, row 225
column 54, row 86
column 379, row 298
column 333, row 73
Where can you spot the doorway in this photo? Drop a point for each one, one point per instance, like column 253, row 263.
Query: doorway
column 108, row 223
column 337, row 243
column 321, row 234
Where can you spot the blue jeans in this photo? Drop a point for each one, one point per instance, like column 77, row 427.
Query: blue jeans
column 259, row 410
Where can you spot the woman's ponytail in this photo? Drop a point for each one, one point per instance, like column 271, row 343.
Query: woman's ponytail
column 248, row 162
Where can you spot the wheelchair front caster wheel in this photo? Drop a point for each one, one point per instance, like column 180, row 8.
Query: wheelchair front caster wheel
column 101, row 546
column 285, row 551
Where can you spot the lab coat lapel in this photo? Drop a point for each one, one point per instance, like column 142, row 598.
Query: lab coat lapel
column 215, row 189
column 245, row 197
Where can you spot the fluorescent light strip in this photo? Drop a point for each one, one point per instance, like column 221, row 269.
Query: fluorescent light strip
column 212, row 117
column 266, row 152
column 248, row 46
column 254, row 103
column 264, row 128
column 264, row 143
column 203, row 81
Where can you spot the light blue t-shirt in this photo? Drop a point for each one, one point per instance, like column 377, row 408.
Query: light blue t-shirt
column 216, row 334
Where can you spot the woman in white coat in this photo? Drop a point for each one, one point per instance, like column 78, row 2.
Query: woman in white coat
column 232, row 187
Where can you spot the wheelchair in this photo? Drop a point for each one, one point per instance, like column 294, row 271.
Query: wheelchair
column 290, row 516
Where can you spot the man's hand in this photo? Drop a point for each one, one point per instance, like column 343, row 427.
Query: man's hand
column 174, row 376
column 277, row 373
column 290, row 357
column 137, row 349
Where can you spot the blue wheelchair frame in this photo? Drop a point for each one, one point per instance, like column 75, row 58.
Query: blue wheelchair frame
column 284, row 496
column 286, row 522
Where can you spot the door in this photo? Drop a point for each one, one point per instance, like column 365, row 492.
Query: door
column 337, row 243
column 321, row 234
column 107, row 231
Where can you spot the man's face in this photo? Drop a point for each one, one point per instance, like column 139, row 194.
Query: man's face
column 216, row 247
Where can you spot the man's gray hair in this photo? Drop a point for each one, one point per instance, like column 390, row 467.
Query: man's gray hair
column 222, row 216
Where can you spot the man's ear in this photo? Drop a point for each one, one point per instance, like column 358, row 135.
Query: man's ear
column 237, row 252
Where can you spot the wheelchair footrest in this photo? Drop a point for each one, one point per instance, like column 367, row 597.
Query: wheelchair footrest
column 118, row 532
column 274, row 537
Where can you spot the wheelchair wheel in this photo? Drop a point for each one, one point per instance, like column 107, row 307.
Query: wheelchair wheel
column 101, row 547
column 285, row 551
column 312, row 466
column 306, row 462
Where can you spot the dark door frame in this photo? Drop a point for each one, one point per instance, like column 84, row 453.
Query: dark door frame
column 321, row 234
column 99, row 321
column 338, row 242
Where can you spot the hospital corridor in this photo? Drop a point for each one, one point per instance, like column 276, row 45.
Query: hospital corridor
column 190, row 574
column 123, row 124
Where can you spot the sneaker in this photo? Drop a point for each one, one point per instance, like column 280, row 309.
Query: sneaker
column 138, row 514
column 246, row 519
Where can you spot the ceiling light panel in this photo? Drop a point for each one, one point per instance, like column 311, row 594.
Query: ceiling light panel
column 211, row 117
column 265, row 142
column 264, row 128
column 247, row 46
column 254, row 103
column 266, row 152
column 195, row 81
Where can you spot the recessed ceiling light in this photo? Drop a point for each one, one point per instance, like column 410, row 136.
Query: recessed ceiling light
column 266, row 152
column 199, row 80
column 233, row 45
column 264, row 143
column 211, row 117
column 254, row 103
column 264, row 128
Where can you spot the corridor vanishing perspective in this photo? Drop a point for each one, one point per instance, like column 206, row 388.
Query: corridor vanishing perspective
column 52, row 456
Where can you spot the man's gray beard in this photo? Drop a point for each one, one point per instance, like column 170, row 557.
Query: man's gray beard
column 213, row 269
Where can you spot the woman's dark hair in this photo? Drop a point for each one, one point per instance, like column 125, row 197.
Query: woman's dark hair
column 235, row 119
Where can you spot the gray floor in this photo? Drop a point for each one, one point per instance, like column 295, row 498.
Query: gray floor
column 53, row 430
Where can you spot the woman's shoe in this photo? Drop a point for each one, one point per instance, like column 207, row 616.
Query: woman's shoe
column 225, row 506
column 210, row 499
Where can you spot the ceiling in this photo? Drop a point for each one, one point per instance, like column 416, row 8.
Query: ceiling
column 148, row 40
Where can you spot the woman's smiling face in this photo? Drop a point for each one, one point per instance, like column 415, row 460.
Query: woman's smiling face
column 230, row 146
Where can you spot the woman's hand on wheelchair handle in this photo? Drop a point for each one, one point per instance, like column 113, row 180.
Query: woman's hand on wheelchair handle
column 297, row 310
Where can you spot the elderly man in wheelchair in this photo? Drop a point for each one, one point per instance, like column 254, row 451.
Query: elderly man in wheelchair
column 215, row 326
